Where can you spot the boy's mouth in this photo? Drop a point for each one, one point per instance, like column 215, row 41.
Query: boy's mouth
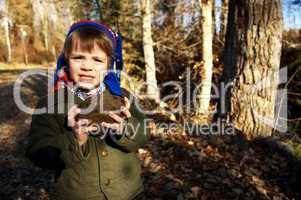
column 84, row 77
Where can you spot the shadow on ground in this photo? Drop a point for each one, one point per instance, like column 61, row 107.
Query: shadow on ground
column 18, row 177
column 222, row 167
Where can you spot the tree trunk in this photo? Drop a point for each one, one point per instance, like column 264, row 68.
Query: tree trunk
column 151, row 81
column 38, row 14
column 193, row 5
column 98, row 6
column 45, row 33
column 252, row 59
column 224, row 16
column 7, row 38
column 206, row 73
column 23, row 37
column 5, row 23
column 213, row 19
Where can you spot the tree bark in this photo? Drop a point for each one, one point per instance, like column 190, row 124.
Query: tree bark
column 213, row 19
column 224, row 16
column 252, row 59
column 207, row 57
column 151, row 80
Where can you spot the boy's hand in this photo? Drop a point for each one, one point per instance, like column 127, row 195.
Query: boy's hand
column 120, row 122
column 80, row 127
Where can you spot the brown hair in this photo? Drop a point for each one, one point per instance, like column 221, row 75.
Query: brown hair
column 85, row 38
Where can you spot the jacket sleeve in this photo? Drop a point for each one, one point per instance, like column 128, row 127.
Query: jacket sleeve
column 51, row 148
column 136, row 133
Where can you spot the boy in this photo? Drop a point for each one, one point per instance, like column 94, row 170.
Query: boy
column 88, row 166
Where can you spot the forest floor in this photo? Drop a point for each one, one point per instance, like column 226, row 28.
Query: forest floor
column 175, row 165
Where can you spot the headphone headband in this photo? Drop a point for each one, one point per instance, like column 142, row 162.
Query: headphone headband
column 102, row 27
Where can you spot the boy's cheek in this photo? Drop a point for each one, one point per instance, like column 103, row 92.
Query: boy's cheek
column 73, row 72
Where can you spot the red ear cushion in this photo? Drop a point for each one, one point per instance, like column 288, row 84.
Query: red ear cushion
column 62, row 77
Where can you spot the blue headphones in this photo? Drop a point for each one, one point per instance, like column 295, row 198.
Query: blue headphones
column 112, row 79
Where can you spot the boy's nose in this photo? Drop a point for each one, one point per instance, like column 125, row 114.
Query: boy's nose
column 86, row 66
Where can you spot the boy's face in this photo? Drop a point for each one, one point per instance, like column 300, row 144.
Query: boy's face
column 87, row 69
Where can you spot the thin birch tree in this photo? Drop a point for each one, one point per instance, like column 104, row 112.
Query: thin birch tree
column 223, row 19
column 207, row 57
column 149, row 56
column 5, row 23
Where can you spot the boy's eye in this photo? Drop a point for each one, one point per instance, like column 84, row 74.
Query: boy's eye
column 98, row 60
column 77, row 57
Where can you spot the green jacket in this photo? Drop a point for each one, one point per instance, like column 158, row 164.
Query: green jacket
column 104, row 169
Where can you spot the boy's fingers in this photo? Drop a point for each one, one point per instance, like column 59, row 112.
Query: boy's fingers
column 115, row 117
column 82, row 127
column 114, row 126
column 71, row 121
column 72, row 113
column 84, row 122
column 111, row 126
column 127, row 102
column 72, row 109
column 126, row 113
column 92, row 128
column 125, row 109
